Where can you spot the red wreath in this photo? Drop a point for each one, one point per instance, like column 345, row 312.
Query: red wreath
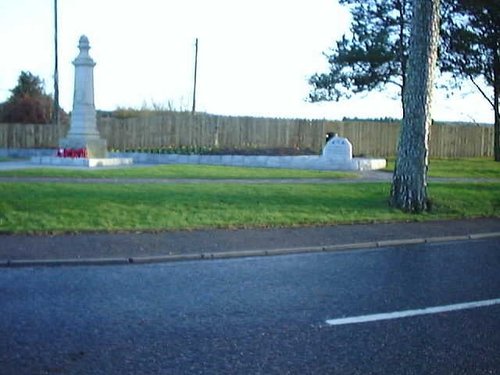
column 72, row 153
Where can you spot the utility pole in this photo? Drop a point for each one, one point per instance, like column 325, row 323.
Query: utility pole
column 195, row 73
column 56, row 70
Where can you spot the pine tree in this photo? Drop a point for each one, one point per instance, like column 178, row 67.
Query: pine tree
column 471, row 50
column 373, row 56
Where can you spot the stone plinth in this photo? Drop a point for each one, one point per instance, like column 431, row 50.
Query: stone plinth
column 81, row 162
column 83, row 131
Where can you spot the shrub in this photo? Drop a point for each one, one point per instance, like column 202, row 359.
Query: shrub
column 27, row 109
column 29, row 103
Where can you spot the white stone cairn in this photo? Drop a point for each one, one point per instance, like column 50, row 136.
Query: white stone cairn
column 338, row 149
column 83, row 131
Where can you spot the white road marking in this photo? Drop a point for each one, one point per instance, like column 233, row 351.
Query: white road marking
column 408, row 313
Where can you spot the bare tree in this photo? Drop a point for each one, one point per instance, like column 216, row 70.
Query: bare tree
column 409, row 185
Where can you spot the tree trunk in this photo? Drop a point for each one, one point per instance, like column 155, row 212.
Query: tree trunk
column 496, row 97
column 400, row 6
column 496, row 131
column 409, row 185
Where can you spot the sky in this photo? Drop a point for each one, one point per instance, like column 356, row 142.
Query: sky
column 255, row 56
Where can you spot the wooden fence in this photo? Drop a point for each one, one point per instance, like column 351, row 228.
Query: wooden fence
column 29, row 135
column 203, row 130
column 380, row 139
column 174, row 129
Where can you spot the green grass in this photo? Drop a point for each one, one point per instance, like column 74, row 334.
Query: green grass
column 460, row 168
column 178, row 171
column 70, row 207
column 54, row 208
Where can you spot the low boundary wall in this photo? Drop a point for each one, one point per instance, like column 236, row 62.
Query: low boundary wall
column 311, row 162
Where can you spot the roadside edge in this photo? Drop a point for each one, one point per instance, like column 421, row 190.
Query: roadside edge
column 237, row 254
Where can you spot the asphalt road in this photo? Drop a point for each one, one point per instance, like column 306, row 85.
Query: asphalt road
column 258, row 315
column 193, row 244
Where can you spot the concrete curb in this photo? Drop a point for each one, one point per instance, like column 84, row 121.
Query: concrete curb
column 238, row 254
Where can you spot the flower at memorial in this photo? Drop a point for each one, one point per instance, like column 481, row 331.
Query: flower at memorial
column 72, row 153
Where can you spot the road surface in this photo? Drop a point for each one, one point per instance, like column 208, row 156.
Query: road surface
column 269, row 315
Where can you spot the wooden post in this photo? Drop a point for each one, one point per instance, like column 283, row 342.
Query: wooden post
column 195, row 74
column 56, row 70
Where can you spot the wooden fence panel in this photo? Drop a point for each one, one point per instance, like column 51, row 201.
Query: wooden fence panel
column 368, row 138
column 203, row 130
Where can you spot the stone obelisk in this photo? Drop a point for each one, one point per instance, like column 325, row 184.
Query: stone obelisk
column 83, row 131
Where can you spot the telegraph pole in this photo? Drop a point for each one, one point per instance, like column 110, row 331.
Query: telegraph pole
column 195, row 74
column 56, row 70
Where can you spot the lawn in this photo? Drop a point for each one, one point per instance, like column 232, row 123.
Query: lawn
column 447, row 168
column 72, row 207
column 460, row 168
column 61, row 207
column 178, row 171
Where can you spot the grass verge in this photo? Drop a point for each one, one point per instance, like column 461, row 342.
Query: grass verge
column 459, row 168
column 54, row 208
column 178, row 171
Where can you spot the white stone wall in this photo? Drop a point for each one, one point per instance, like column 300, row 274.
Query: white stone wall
column 292, row 162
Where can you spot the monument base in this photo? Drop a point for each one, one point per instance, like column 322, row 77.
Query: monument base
column 96, row 147
column 81, row 162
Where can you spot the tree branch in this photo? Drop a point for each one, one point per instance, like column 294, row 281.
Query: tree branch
column 395, row 83
column 482, row 91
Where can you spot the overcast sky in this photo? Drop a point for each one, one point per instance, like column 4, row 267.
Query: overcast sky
column 255, row 56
